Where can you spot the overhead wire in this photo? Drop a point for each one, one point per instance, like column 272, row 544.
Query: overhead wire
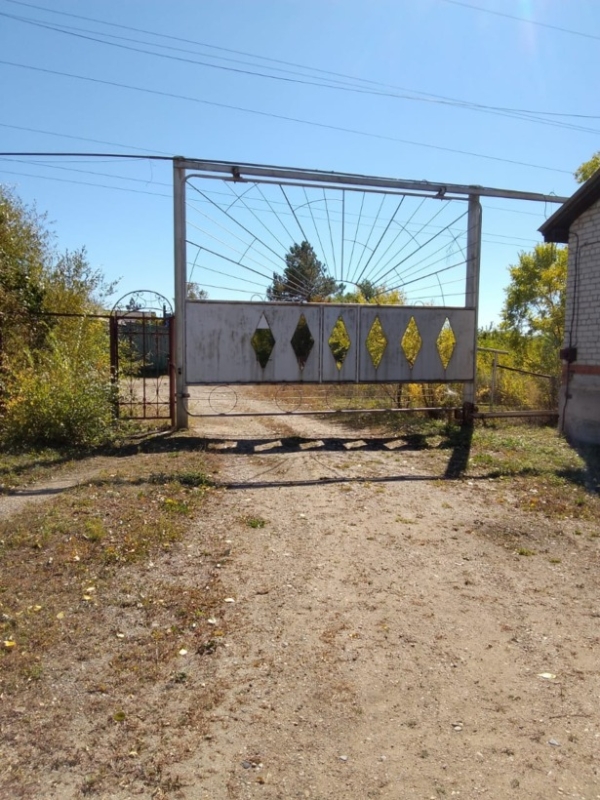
column 525, row 116
column 511, row 240
column 334, row 76
column 85, row 183
column 328, row 218
column 486, row 205
column 82, row 138
column 523, row 19
column 272, row 115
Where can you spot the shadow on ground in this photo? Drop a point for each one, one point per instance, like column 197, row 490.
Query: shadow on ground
column 588, row 476
column 455, row 439
column 458, row 440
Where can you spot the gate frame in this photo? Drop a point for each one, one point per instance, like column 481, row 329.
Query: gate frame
column 184, row 169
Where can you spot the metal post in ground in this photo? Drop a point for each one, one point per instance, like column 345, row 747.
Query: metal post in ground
column 472, row 295
column 181, row 415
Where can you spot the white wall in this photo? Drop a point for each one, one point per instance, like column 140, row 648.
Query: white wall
column 580, row 393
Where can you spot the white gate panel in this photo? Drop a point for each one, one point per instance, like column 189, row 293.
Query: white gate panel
column 219, row 343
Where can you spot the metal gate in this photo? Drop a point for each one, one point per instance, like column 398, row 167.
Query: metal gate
column 246, row 221
column 141, row 359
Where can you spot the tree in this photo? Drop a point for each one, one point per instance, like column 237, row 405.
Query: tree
column 303, row 278
column 367, row 292
column 195, row 292
column 24, row 255
column 534, row 308
column 535, row 297
column 55, row 383
column 74, row 286
column 588, row 168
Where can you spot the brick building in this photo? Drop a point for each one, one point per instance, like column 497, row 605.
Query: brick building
column 577, row 223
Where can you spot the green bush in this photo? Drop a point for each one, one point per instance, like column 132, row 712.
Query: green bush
column 62, row 395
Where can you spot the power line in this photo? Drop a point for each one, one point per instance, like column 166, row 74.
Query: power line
column 84, row 183
column 270, row 115
column 524, row 115
column 519, row 19
column 79, row 138
column 307, row 68
column 132, row 156
column 513, row 241
column 487, row 205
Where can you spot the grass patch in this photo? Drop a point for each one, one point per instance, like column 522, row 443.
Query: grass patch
column 96, row 626
column 524, row 551
column 255, row 522
column 545, row 473
column 17, row 469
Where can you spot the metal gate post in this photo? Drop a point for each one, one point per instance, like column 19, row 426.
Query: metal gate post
column 472, row 293
column 181, row 415
column 114, row 360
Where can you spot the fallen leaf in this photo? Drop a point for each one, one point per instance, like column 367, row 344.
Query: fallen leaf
column 60, row 615
column 547, row 676
column 8, row 643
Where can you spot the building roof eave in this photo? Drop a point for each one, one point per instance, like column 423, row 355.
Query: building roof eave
column 556, row 227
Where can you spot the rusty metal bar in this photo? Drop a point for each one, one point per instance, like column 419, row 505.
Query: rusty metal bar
column 436, row 409
column 114, row 360
column 171, row 366
column 509, row 414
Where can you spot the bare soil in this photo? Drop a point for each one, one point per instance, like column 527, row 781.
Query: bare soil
column 386, row 634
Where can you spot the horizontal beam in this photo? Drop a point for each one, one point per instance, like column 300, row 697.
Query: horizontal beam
column 327, row 411
column 259, row 172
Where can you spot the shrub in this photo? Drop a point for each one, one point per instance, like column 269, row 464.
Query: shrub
column 61, row 395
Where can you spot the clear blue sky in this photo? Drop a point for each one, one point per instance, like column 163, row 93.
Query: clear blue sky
column 423, row 48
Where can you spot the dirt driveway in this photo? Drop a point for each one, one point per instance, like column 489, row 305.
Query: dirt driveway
column 389, row 634
column 390, row 640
